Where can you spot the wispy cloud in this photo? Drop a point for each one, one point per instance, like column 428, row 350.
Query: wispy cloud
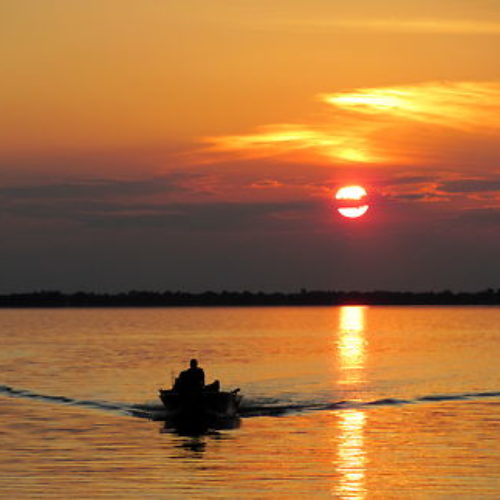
column 404, row 124
column 177, row 217
column 298, row 140
column 463, row 105
column 471, row 186
column 92, row 188
column 391, row 25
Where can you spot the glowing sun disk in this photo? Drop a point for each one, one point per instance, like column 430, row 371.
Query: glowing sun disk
column 350, row 193
column 353, row 212
column 351, row 201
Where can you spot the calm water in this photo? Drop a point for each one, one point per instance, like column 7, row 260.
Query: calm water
column 349, row 402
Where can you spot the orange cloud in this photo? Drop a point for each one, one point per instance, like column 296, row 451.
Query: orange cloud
column 462, row 105
column 426, row 26
column 404, row 124
column 287, row 139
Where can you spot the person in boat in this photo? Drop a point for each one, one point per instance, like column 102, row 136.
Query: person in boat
column 191, row 380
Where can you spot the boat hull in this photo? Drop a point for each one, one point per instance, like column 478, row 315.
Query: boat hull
column 208, row 407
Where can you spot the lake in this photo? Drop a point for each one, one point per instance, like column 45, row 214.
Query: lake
column 339, row 402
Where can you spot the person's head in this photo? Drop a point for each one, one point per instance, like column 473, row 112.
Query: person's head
column 193, row 363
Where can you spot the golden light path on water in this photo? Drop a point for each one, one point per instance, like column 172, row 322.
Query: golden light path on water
column 350, row 457
column 351, row 344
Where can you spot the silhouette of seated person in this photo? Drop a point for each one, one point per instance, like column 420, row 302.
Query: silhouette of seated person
column 190, row 381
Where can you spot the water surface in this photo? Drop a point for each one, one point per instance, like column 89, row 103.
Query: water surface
column 346, row 402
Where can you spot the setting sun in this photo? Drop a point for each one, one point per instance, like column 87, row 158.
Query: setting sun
column 351, row 201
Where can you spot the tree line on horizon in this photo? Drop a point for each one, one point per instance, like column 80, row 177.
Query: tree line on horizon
column 137, row 298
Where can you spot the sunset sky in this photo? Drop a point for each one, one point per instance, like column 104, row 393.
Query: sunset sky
column 198, row 144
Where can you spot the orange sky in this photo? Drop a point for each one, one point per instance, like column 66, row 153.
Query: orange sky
column 101, row 73
column 115, row 110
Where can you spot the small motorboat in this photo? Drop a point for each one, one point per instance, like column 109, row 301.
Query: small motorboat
column 207, row 406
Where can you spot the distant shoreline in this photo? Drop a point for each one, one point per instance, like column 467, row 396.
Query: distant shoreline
column 55, row 299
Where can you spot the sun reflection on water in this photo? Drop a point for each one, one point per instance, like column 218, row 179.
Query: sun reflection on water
column 350, row 459
column 351, row 344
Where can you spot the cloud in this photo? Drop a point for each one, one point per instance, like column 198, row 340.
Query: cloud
column 485, row 217
column 266, row 184
column 339, row 144
column 463, row 192
column 94, row 188
column 208, row 217
column 410, row 179
column 422, row 124
column 461, row 105
column 184, row 217
column 470, row 186
column 424, row 26
column 427, row 197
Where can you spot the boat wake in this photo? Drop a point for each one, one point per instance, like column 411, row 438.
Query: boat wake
column 120, row 408
column 257, row 407
column 274, row 407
